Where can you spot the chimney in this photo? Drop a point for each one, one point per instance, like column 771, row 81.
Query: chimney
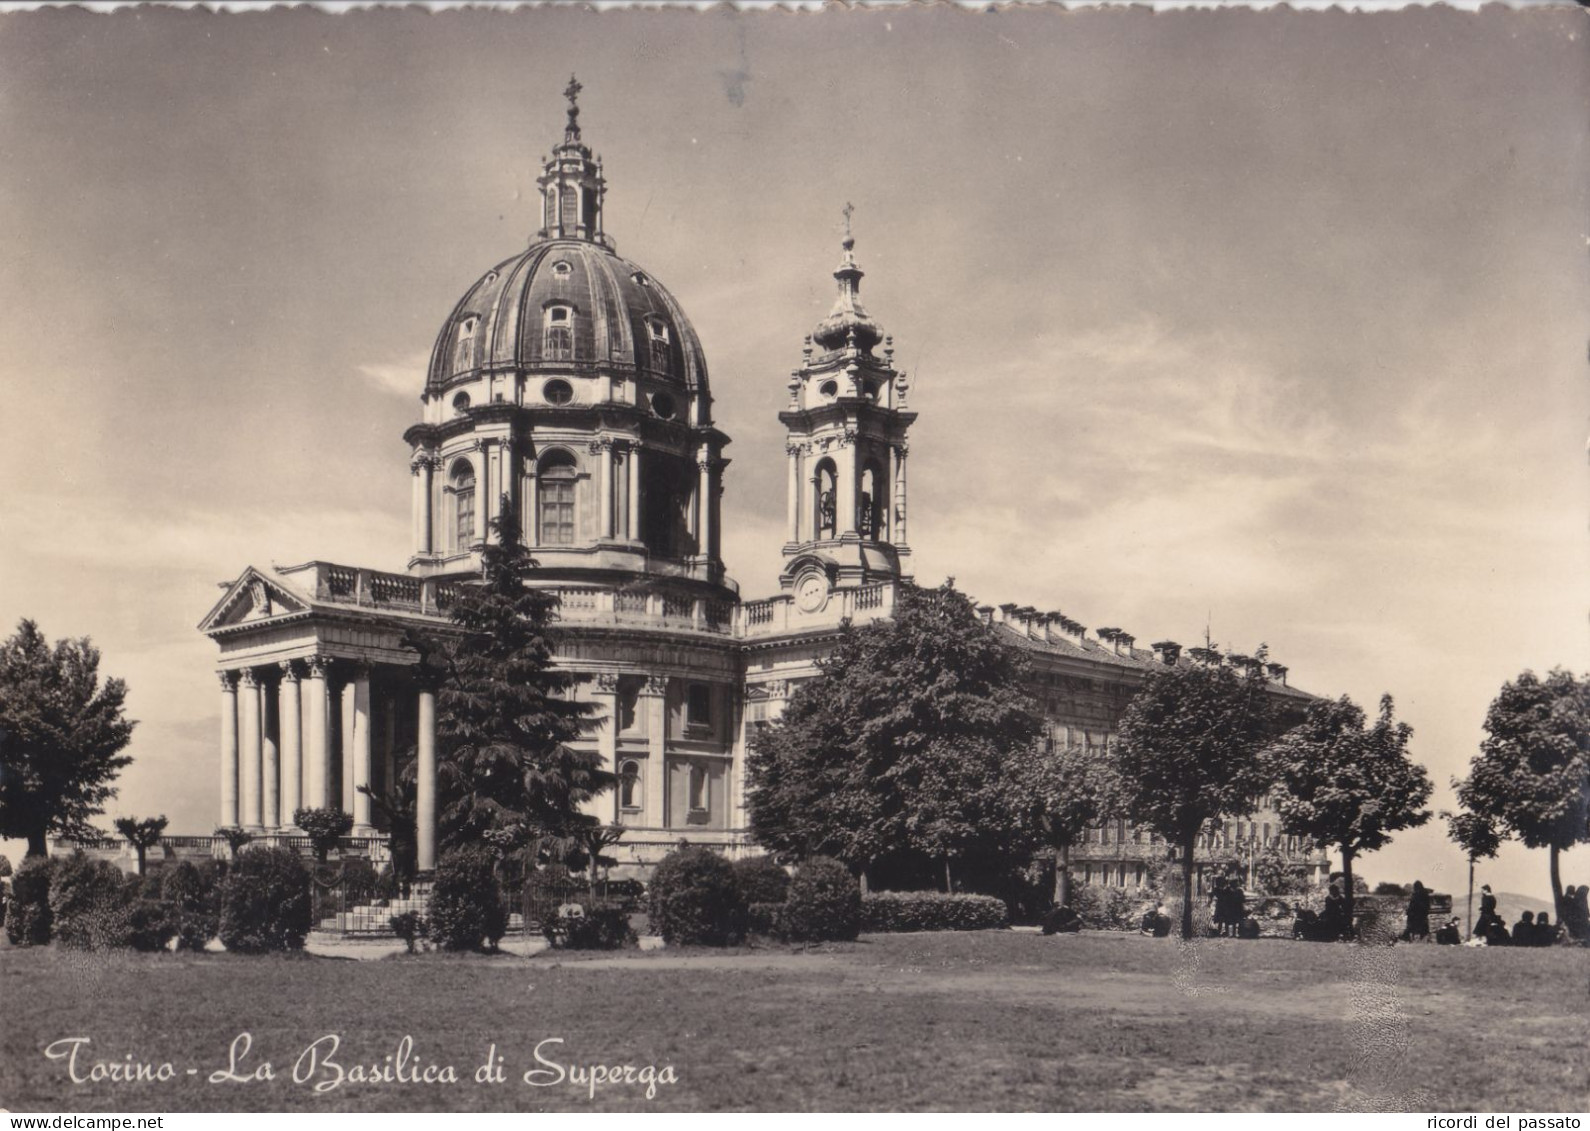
column 1277, row 673
column 1167, row 652
column 1111, row 636
column 1024, row 617
column 1123, row 642
column 1204, row 655
column 1050, row 619
column 986, row 613
column 1007, row 612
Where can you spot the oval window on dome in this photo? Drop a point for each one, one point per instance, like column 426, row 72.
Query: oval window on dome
column 491, row 276
column 829, row 388
column 557, row 392
column 461, row 403
column 663, row 405
column 641, row 279
column 561, row 267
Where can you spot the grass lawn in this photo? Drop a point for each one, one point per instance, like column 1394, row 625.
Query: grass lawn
column 995, row 1020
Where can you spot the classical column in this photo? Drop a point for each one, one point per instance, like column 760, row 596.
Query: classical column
column 704, row 504
column 655, row 695
column 845, row 488
column 270, row 757
column 532, row 501
column 606, row 697
column 362, row 750
column 603, row 451
column 229, row 817
column 421, row 466
column 900, row 452
column 317, row 778
column 794, row 491
column 290, row 698
column 507, row 483
column 388, row 739
column 345, row 713
column 249, row 752
column 482, row 496
column 425, row 783
column 634, row 493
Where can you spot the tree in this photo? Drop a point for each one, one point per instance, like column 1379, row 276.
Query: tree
column 325, row 829
column 235, row 838
column 1478, row 838
column 507, row 774
column 903, row 748
column 61, row 736
column 142, row 835
column 1067, row 790
column 399, row 805
column 1348, row 785
column 1189, row 754
column 1275, row 874
column 1532, row 776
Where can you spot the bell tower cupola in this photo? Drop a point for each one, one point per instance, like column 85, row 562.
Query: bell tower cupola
column 846, row 425
column 571, row 183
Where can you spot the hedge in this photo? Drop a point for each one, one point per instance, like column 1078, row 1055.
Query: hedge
column 823, row 905
column 28, row 909
column 595, row 926
column 466, row 907
column 265, row 902
column 931, row 911
column 762, row 879
column 696, row 899
column 91, row 904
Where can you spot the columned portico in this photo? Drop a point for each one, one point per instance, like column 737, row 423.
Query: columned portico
column 318, row 777
column 248, row 716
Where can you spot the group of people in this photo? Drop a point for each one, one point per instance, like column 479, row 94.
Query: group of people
column 1531, row 929
column 1229, row 910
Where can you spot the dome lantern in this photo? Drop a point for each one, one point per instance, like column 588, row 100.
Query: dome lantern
column 848, row 325
column 571, row 183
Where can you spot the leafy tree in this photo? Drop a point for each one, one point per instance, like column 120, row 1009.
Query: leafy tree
column 1478, row 838
column 1348, row 785
column 1067, row 790
column 1532, row 776
column 903, row 747
column 1190, row 753
column 507, row 774
column 399, row 805
column 142, row 835
column 235, row 838
column 325, row 829
column 1275, row 874
column 61, row 736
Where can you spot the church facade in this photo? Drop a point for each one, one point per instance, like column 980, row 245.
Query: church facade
column 568, row 381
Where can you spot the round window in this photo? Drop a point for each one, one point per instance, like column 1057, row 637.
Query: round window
column 829, row 388
column 557, row 392
column 461, row 403
column 561, row 267
column 663, row 405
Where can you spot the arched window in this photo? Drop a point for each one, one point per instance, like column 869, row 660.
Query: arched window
column 552, row 207
column 657, row 335
column 871, row 513
column 464, row 349
column 826, row 501
column 630, row 790
column 555, row 489
column 558, row 334
column 461, row 404
column 700, row 790
column 461, row 486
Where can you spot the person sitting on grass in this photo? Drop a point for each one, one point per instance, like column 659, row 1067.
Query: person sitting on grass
column 1545, row 931
column 1155, row 922
column 1449, row 934
column 1524, row 930
column 1496, row 934
column 1249, row 928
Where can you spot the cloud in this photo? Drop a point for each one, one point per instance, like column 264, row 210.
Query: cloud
column 404, row 378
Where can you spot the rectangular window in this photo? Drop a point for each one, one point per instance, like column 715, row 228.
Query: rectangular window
column 700, row 790
column 699, row 707
column 557, row 512
column 558, row 344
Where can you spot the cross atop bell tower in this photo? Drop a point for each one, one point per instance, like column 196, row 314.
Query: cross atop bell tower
column 846, row 426
column 571, row 183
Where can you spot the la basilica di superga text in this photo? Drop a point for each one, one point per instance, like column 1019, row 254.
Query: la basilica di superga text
column 569, row 381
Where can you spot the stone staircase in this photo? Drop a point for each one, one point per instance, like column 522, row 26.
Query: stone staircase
column 372, row 920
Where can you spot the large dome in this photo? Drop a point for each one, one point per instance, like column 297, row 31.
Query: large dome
column 568, row 304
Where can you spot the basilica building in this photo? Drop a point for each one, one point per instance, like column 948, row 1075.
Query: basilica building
column 569, row 381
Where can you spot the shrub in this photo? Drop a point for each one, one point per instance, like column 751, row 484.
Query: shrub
column 1105, row 908
column 28, row 917
column 90, row 905
column 192, row 894
column 598, row 926
column 153, row 924
column 408, row 926
column 466, row 902
column 762, row 879
column 931, row 911
column 325, row 829
column 763, row 918
column 824, row 903
column 696, row 900
column 265, row 902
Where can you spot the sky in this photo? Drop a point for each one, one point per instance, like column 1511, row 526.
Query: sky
column 1265, row 324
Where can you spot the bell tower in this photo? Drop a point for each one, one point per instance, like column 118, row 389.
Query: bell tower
column 846, row 425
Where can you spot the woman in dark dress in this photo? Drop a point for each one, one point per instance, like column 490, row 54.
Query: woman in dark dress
column 1418, row 914
column 1488, row 914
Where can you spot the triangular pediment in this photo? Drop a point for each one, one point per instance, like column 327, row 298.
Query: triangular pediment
column 253, row 597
